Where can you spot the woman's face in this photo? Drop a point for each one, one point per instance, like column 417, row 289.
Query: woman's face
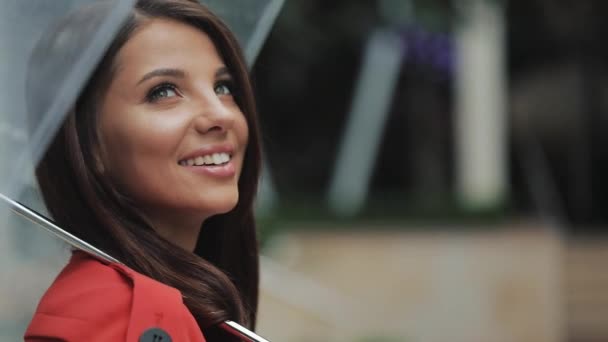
column 171, row 134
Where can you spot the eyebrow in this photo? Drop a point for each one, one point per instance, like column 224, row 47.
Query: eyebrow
column 162, row 72
column 221, row 72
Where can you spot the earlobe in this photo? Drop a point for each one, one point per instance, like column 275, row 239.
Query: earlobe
column 99, row 167
column 99, row 153
column 98, row 160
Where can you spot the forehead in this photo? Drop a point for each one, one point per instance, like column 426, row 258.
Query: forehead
column 167, row 43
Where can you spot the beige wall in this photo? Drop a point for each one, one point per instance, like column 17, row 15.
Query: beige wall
column 487, row 285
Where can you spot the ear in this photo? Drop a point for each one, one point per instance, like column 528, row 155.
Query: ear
column 98, row 159
column 99, row 151
column 99, row 167
column 99, row 164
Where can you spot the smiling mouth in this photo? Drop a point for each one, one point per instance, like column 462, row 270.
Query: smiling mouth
column 214, row 159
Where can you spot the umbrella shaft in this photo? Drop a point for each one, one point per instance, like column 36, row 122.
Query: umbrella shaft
column 38, row 219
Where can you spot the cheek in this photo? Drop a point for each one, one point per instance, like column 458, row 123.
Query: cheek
column 134, row 144
column 241, row 130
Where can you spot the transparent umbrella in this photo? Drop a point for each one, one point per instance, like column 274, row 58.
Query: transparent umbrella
column 29, row 256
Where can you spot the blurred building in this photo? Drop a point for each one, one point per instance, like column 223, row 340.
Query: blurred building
column 434, row 169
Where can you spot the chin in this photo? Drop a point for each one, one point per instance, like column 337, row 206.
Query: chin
column 221, row 205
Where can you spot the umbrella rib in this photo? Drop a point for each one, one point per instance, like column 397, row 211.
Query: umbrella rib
column 49, row 226
column 41, row 221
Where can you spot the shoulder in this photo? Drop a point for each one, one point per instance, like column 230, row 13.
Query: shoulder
column 84, row 287
column 94, row 301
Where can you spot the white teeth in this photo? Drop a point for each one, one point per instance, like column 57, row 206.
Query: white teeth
column 210, row 159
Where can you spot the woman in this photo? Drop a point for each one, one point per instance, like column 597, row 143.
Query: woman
column 157, row 165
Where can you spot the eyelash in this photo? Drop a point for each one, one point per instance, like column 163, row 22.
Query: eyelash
column 152, row 95
column 228, row 83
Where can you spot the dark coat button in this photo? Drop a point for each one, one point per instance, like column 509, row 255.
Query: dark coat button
column 155, row 335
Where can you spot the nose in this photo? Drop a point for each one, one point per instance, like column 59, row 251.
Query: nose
column 212, row 115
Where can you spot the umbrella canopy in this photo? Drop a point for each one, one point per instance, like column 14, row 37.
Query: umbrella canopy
column 30, row 259
column 54, row 81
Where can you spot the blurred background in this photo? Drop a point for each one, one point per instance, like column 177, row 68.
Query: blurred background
column 433, row 169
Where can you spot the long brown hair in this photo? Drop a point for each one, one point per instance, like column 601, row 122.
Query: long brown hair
column 219, row 281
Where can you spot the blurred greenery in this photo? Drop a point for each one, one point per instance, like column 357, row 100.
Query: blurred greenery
column 396, row 211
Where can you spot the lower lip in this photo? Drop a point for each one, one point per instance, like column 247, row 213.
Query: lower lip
column 220, row 171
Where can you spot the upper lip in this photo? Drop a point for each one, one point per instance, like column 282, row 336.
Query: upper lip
column 207, row 150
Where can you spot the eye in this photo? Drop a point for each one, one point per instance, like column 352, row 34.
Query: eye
column 161, row 91
column 224, row 87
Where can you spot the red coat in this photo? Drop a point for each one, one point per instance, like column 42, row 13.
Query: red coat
column 94, row 301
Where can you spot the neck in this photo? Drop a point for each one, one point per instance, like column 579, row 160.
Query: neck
column 180, row 231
